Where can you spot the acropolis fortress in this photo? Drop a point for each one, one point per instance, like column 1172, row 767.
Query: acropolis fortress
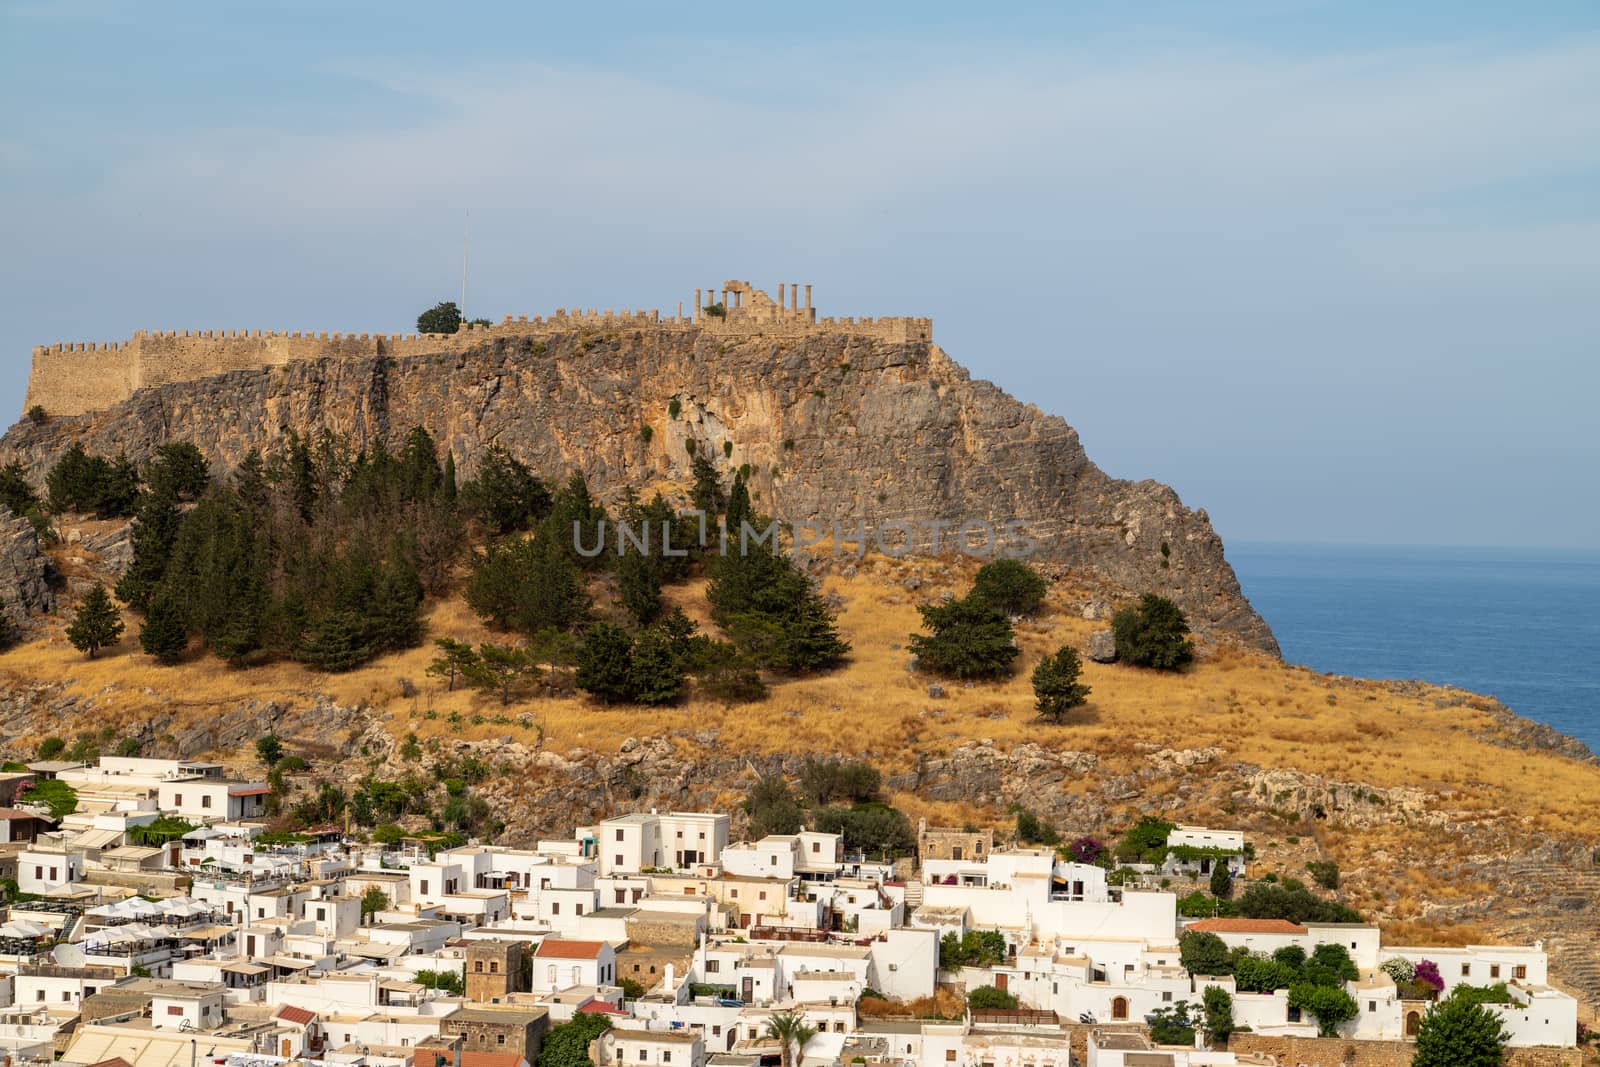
column 78, row 377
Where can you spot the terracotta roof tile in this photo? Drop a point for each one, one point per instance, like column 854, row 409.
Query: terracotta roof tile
column 559, row 948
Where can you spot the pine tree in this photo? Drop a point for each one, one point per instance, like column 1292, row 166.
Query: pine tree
column 456, row 659
column 640, row 587
column 448, row 485
column 655, row 675
column 164, row 635
column 707, row 492
column 338, row 642
column 1056, row 688
column 502, row 669
column 605, row 661
column 967, row 639
column 97, row 624
column 155, row 530
column 1010, row 585
column 1154, row 634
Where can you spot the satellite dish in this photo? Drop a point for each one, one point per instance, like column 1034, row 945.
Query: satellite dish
column 68, row 955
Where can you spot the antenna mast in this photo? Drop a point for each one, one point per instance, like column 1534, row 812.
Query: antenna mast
column 466, row 231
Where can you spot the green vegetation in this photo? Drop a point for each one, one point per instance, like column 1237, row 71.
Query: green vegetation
column 966, row 638
column 1218, row 1020
column 443, row 317
column 1325, row 873
column 975, row 948
column 444, row 981
column 989, row 998
column 1145, row 841
column 1331, row 1005
column 567, row 1045
column 105, row 488
column 1056, row 688
column 1155, row 634
column 269, row 749
column 373, row 900
column 1032, row 831
column 1174, row 1024
column 50, row 748
column 164, row 829
column 97, row 624
column 1460, row 1032
column 59, row 797
column 1010, row 586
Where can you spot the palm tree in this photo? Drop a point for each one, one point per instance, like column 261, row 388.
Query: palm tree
column 791, row 1033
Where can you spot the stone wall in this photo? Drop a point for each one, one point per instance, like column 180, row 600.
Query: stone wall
column 78, row 377
column 1331, row 1051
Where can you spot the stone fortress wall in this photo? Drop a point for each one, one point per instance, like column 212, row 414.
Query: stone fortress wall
column 74, row 378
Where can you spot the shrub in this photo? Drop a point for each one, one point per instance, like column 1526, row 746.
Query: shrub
column 37, row 416
column 1154, row 634
column 989, row 998
column 1034, row 831
column 674, row 408
column 1218, row 1013
column 1011, row 586
column 1325, row 873
column 1173, row 1024
column 50, row 748
column 1331, row 1005
column 967, row 639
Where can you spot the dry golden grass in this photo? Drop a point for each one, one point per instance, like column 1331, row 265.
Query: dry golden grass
column 1249, row 705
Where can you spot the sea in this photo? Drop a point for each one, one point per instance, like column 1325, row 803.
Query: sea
column 1520, row 624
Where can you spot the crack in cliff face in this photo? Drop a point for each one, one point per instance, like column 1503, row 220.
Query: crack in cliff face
column 834, row 428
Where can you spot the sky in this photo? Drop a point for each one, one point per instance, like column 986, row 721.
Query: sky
column 1331, row 270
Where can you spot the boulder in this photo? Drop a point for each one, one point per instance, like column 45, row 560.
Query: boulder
column 1103, row 646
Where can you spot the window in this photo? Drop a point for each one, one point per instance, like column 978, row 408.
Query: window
column 763, row 894
column 494, row 966
column 499, row 1039
column 205, row 801
column 173, row 1009
column 1372, row 1005
column 177, row 800
column 1494, row 970
column 816, row 846
column 713, row 966
column 1466, row 970
column 580, row 907
column 666, row 1057
column 716, row 1031
column 619, row 834
column 555, row 907
column 1519, row 971
column 424, row 887
column 1166, row 997
column 949, row 1055
column 38, row 872
column 622, row 896
column 619, row 861
column 477, row 966
column 322, row 913
column 40, row 996
column 643, row 1055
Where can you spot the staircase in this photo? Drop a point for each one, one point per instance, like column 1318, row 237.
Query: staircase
column 913, row 894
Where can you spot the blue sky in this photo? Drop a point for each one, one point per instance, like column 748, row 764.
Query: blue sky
column 1331, row 270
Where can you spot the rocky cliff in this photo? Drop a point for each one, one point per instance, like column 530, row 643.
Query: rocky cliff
column 835, row 427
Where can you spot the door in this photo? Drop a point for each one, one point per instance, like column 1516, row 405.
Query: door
column 1119, row 1008
column 1001, row 979
column 748, row 989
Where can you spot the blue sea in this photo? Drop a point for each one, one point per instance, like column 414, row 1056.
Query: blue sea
column 1521, row 624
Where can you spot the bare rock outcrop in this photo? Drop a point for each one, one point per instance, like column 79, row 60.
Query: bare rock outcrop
column 835, row 428
column 24, row 570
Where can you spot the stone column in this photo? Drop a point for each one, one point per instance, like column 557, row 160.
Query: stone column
column 697, row 305
column 808, row 296
column 794, row 296
column 780, row 296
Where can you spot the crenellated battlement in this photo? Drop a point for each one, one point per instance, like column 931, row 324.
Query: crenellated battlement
column 71, row 378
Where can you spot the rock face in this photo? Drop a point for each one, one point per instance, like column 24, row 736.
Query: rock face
column 24, row 588
column 836, row 428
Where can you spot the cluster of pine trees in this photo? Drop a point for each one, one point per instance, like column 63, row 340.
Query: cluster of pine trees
column 314, row 555
column 324, row 555
column 532, row 579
